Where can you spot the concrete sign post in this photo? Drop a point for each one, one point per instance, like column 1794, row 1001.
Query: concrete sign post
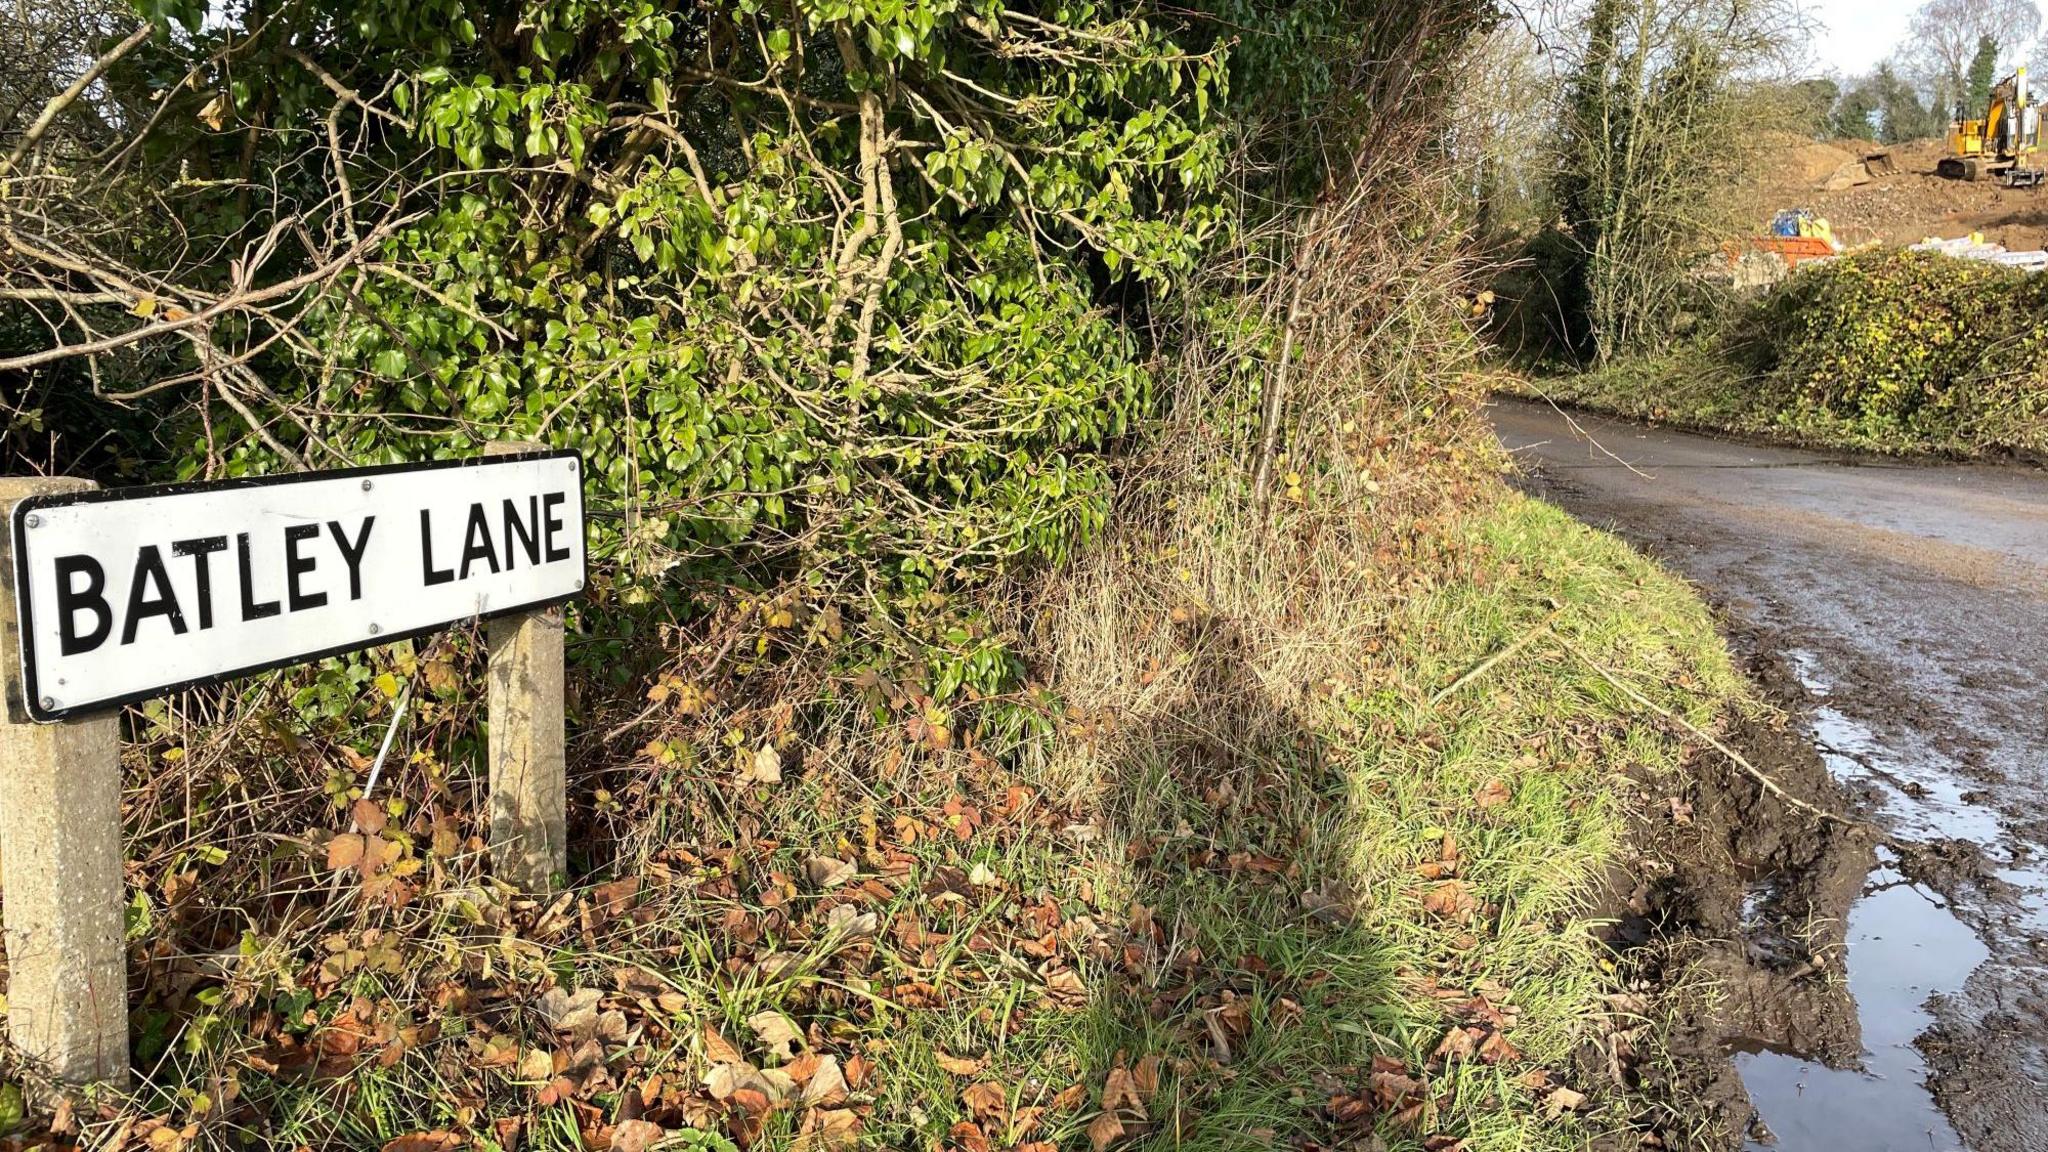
column 529, row 787
column 110, row 597
column 60, row 862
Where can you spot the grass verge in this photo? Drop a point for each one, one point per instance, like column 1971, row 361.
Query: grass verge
column 1304, row 859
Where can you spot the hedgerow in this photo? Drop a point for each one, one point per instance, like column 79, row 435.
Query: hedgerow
column 865, row 316
column 1886, row 350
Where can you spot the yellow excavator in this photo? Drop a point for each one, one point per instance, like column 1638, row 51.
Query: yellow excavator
column 2003, row 144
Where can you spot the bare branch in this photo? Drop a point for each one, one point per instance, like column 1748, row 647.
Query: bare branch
column 69, row 96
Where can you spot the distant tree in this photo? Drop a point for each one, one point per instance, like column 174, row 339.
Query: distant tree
column 1855, row 112
column 1983, row 69
column 1665, row 107
column 1901, row 116
column 1946, row 36
column 1812, row 105
column 1506, row 103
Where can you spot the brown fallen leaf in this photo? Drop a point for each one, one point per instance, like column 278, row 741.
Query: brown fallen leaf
column 719, row 1050
column 636, row 1136
column 1492, row 794
column 1457, row 1044
column 1495, row 1049
column 828, row 1128
column 1451, row 900
column 1145, row 1076
column 957, row 1065
column 968, row 1136
column 1562, row 1100
column 826, row 1087
column 828, row 872
column 344, row 851
column 776, row 1033
column 722, row 1080
column 436, row 1141
column 1120, row 1090
column 1067, row 987
column 986, row 1100
column 572, row 1012
column 1104, row 1130
column 369, row 816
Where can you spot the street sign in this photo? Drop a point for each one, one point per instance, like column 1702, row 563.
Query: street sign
column 128, row 593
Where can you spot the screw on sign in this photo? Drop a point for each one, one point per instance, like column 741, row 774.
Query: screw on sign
column 117, row 596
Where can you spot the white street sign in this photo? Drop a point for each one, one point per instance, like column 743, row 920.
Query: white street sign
column 127, row 593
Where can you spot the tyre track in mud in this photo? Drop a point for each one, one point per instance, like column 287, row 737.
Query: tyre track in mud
column 1900, row 610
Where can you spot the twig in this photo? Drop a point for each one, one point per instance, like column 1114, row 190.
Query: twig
column 1276, row 398
column 69, row 96
column 343, row 91
column 241, row 300
column 1541, row 629
column 1756, row 773
column 384, row 749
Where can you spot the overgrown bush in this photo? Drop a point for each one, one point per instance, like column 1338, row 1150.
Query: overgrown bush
column 858, row 296
column 1900, row 346
column 1888, row 350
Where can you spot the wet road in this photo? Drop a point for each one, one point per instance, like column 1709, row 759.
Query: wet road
column 1913, row 602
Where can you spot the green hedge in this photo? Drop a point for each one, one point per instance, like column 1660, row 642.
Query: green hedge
column 1904, row 348
column 1886, row 350
column 862, row 295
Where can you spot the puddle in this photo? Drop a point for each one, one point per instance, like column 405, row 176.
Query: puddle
column 1904, row 946
column 1806, row 666
column 2029, row 909
column 1920, row 803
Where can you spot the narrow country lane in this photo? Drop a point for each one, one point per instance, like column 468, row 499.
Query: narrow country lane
column 1912, row 601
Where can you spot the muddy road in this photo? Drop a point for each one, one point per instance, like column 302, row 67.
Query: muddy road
column 1909, row 603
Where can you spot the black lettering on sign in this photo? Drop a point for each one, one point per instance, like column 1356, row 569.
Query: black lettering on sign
column 202, row 570
column 433, row 575
column 553, row 524
column 149, row 569
column 296, row 566
column 525, row 532
column 352, row 554
column 71, row 600
column 252, row 609
column 476, row 542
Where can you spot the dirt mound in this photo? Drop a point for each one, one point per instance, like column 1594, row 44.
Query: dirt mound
column 1867, row 204
column 1815, row 161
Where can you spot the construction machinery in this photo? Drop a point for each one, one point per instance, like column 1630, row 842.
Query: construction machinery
column 2003, row 144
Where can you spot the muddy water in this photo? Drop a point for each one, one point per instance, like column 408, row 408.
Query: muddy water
column 1905, row 946
column 1912, row 602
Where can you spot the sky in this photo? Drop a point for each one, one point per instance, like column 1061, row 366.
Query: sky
column 1854, row 36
